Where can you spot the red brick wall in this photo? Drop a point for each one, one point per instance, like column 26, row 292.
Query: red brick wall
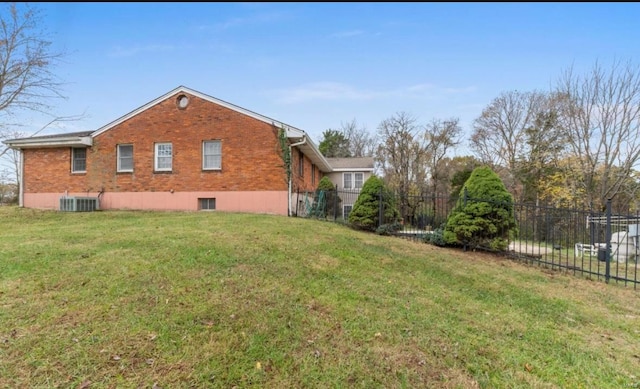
column 251, row 158
column 303, row 182
column 49, row 170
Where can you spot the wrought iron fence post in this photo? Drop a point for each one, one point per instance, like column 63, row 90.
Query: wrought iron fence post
column 380, row 209
column 607, row 254
column 465, row 195
column 335, row 204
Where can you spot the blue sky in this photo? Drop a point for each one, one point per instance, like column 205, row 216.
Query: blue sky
column 318, row 65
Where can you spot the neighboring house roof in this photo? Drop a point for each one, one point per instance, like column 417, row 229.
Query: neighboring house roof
column 295, row 135
column 351, row 164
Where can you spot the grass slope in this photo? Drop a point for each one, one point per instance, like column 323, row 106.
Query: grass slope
column 199, row 300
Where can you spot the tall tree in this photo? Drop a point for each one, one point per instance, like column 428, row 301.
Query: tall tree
column 440, row 137
column 352, row 140
column 334, row 144
column 601, row 115
column 401, row 156
column 361, row 142
column 545, row 144
column 27, row 81
column 507, row 131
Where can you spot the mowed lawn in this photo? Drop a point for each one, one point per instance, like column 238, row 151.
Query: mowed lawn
column 119, row 299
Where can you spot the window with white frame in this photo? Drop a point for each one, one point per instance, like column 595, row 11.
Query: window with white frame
column 347, row 181
column 211, row 155
column 346, row 210
column 352, row 180
column 164, row 157
column 78, row 160
column 125, row 158
column 358, row 179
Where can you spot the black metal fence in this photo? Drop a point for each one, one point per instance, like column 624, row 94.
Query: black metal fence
column 595, row 245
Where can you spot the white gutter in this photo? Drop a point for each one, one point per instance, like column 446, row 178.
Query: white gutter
column 291, row 146
column 353, row 169
column 20, row 180
column 69, row 141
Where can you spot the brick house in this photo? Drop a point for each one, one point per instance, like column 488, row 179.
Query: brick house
column 184, row 150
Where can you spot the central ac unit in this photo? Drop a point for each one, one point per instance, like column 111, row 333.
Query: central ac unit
column 79, row 204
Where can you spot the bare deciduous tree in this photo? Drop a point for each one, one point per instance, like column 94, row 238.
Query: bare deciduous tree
column 545, row 146
column 26, row 61
column 401, row 158
column 361, row 142
column 27, row 82
column 440, row 136
column 11, row 155
column 602, row 118
column 509, row 130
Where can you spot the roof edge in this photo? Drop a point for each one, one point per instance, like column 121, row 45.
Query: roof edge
column 70, row 141
column 354, row 169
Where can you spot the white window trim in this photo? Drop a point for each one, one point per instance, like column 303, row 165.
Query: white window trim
column 73, row 159
column 352, row 176
column 156, row 156
column 361, row 181
column 203, row 155
column 119, row 168
column 344, row 175
column 344, row 210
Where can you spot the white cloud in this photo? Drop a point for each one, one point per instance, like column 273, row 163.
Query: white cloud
column 347, row 34
column 433, row 90
column 258, row 18
column 322, row 91
column 120, row 51
column 334, row 91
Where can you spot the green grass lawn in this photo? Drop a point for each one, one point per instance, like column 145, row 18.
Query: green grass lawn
column 198, row 300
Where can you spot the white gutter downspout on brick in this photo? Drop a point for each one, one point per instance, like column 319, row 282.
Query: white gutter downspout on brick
column 291, row 146
column 20, row 180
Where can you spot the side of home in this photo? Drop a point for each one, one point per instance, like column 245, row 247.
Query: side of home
column 348, row 175
column 182, row 151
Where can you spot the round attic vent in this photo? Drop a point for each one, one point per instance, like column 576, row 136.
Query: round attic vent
column 183, row 101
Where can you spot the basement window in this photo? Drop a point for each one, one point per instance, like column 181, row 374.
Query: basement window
column 346, row 210
column 205, row 204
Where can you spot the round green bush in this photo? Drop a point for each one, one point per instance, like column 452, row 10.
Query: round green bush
column 365, row 214
column 484, row 214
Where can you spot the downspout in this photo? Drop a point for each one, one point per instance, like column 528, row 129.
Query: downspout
column 21, row 180
column 303, row 141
